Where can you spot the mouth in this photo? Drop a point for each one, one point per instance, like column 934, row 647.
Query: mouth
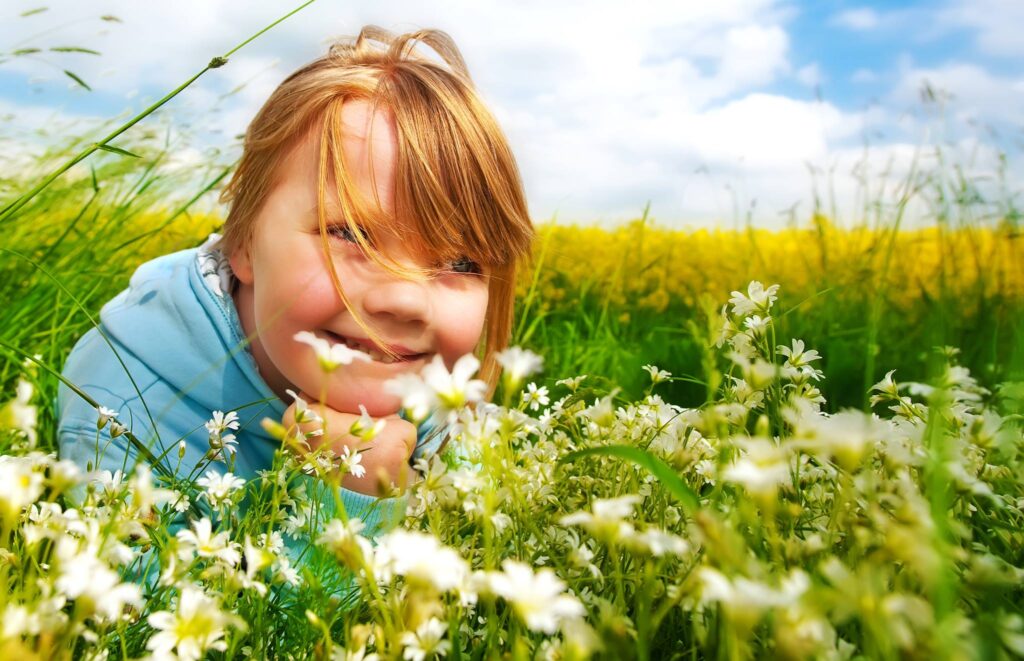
column 403, row 355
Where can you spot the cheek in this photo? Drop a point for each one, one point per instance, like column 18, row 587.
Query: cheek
column 296, row 297
column 464, row 317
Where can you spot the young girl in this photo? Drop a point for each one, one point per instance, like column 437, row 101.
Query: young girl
column 377, row 205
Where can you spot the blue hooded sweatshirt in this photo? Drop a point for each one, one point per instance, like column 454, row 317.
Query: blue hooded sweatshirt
column 176, row 353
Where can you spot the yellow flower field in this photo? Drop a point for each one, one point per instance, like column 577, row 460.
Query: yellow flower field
column 657, row 268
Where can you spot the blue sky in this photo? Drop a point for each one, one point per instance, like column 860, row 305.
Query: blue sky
column 709, row 111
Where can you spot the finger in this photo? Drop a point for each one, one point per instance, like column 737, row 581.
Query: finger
column 409, row 436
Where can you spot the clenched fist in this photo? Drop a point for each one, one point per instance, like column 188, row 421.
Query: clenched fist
column 386, row 457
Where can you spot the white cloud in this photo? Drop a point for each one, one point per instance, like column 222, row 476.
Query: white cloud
column 998, row 24
column 862, row 18
column 605, row 108
column 810, row 75
column 864, row 76
column 978, row 96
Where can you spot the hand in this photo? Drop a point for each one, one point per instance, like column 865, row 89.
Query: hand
column 386, row 457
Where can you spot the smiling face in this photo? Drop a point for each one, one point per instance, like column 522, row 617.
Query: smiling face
column 285, row 283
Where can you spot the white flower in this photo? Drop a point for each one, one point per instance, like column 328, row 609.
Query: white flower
column 197, row 624
column 437, row 388
column 20, row 484
column 285, row 573
column 602, row 412
column 757, row 299
column 346, row 542
column 535, row 397
column 221, row 443
column 519, row 363
column 844, row 436
column 303, row 413
column 744, row 599
column 144, row 495
column 659, row 542
column 500, row 521
column 330, row 356
column 350, row 460
column 657, row 375
column 796, row 356
column 573, row 383
column 257, row 557
column 63, row 474
column 201, row 541
column 103, row 415
column 417, row 397
column 365, row 427
column 222, row 422
column 20, row 413
column 219, row 489
column 93, row 584
column 605, row 520
column 757, row 324
column 457, row 388
column 111, row 484
column 420, row 558
column 428, row 639
column 761, row 469
column 17, row 621
column 887, row 386
column 355, row 654
column 538, row 599
column 181, row 502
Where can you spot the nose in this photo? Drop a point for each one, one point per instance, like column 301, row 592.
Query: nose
column 397, row 299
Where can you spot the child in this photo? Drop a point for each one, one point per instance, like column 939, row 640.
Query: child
column 376, row 204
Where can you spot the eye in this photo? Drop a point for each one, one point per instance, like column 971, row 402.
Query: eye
column 465, row 265
column 344, row 232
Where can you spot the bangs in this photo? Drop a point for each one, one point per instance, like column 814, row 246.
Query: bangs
column 457, row 188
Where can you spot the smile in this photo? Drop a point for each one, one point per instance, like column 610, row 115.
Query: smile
column 404, row 356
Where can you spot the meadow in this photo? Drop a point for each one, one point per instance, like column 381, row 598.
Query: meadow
column 712, row 444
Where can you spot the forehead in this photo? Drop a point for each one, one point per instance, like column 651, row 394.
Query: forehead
column 369, row 147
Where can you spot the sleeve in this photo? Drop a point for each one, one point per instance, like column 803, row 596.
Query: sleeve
column 377, row 514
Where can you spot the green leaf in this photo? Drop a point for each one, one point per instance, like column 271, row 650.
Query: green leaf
column 25, row 51
column 77, row 80
column 110, row 18
column 116, row 150
column 37, row 10
column 655, row 466
column 74, row 49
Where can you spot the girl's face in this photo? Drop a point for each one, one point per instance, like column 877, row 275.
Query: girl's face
column 285, row 284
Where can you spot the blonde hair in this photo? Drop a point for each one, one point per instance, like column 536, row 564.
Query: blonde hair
column 457, row 184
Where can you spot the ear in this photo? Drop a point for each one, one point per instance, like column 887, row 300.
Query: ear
column 241, row 265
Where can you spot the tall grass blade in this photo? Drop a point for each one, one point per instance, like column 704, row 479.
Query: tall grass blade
column 655, row 466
